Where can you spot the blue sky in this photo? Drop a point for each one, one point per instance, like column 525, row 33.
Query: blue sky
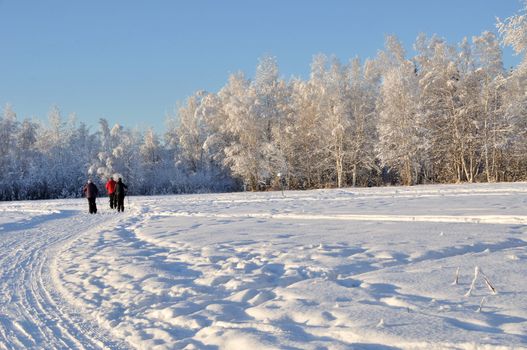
column 132, row 61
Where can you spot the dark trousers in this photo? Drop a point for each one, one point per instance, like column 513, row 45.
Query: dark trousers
column 113, row 200
column 92, row 205
column 120, row 202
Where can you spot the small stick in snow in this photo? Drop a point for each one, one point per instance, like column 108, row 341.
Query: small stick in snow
column 473, row 284
column 456, row 281
column 481, row 304
column 491, row 287
column 487, row 282
column 478, row 272
column 381, row 323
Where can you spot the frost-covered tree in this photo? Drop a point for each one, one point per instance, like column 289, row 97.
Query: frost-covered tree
column 316, row 118
column 337, row 110
column 150, row 149
column 495, row 125
column 120, row 155
column 156, row 166
column 217, row 136
column 52, row 144
column 363, row 136
column 26, row 137
column 245, row 155
column 300, row 142
column 460, row 100
column 8, row 126
column 192, row 135
column 196, row 141
column 104, row 136
column 400, row 142
column 270, row 112
column 468, row 116
column 8, row 130
column 513, row 32
column 441, row 107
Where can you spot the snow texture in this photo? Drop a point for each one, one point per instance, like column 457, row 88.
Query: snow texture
column 325, row 269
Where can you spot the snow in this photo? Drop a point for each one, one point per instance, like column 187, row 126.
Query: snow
column 336, row 269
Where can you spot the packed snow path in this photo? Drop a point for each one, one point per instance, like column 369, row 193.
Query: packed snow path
column 336, row 269
column 32, row 313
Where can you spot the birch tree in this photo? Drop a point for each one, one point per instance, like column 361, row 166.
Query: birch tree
column 305, row 146
column 496, row 126
column 399, row 141
column 363, row 92
column 270, row 109
column 513, row 31
column 191, row 133
column 245, row 155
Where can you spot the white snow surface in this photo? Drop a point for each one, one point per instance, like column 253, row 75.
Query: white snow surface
column 328, row 269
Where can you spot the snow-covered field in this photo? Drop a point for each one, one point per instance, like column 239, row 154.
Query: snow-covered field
column 328, row 269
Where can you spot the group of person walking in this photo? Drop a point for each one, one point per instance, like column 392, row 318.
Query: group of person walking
column 116, row 192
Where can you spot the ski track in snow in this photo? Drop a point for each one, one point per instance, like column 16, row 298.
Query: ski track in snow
column 483, row 219
column 338, row 269
column 32, row 313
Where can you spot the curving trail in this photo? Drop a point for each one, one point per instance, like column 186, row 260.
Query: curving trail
column 32, row 313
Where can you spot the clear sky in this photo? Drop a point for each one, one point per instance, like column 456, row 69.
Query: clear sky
column 132, row 61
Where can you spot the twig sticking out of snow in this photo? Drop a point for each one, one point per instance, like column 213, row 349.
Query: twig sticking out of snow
column 481, row 304
column 473, row 284
column 487, row 282
column 456, row 281
column 477, row 272
column 381, row 323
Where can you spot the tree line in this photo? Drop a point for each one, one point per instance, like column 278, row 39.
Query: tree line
column 450, row 113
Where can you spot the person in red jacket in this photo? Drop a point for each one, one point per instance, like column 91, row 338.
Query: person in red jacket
column 110, row 189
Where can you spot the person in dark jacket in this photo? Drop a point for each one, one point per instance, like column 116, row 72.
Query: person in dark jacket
column 91, row 191
column 110, row 189
column 120, row 191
